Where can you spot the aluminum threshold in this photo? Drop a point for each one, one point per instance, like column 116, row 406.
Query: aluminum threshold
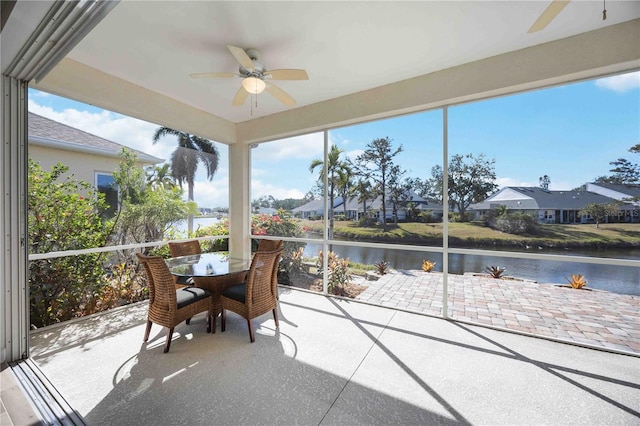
column 45, row 399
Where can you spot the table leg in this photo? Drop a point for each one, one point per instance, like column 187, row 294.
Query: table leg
column 216, row 285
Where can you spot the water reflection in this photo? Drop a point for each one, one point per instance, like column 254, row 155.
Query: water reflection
column 616, row 279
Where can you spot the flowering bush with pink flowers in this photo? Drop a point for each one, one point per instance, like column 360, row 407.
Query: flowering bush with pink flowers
column 281, row 225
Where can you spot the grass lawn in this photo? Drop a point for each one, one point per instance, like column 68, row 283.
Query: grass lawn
column 477, row 234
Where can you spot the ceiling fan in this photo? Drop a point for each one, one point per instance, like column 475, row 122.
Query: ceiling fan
column 255, row 77
column 548, row 15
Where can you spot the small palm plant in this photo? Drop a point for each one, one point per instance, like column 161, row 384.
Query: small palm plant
column 577, row 281
column 428, row 265
column 382, row 267
column 496, row 271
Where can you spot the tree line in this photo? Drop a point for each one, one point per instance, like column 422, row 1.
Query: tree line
column 375, row 173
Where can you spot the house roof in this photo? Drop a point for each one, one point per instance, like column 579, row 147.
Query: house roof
column 316, row 205
column 535, row 198
column 376, row 204
column 622, row 191
column 46, row 132
column 354, row 205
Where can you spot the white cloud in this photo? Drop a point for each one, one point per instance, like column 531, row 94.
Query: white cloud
column 261, row 189
column 620, row 83
column 212, row 194
column 503, row 182
column 564, row 185
column 299, row 147
column 138, row 134
column 127, row 131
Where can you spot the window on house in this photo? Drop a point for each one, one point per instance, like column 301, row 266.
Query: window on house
column 106, row 184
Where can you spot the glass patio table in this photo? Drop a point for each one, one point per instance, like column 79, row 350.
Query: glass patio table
column 214, row 272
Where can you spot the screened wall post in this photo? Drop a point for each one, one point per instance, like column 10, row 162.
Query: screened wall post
column 14, row 292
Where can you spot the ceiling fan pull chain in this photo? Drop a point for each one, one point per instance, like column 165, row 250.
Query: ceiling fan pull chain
column 604, row 10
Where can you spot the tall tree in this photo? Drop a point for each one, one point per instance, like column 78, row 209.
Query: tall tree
column 600, row 212
column 345, row 185
column 334, row 167
column 364, row 191
column 624, row 172
column 375, row 164
column 146, row 210
column 544, row 182
column 471, row 180
column 399, row 190
column 184, row 161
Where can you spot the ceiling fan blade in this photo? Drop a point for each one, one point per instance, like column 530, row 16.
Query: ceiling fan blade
column 241, row 56
column 287, row 74
column 240, row 96
column 280, row 95
column 213, row 75
column 547, row 16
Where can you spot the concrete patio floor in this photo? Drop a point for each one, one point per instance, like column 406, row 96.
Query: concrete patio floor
column 332, row 361
column 589, row 317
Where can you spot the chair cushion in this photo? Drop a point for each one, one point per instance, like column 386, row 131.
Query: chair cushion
column 187, row 295
column 184, row 280
column 236, row 292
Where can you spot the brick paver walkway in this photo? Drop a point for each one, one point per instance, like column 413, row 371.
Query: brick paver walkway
column 593, row 317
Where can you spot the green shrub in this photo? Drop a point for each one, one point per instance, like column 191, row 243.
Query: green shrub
column 219, row 244
column 281, row 224
column 125, row 284
column 61, row 219
column 502, row 220
column 382, row 267
column 367, row 221
column 338, row 271
column 495, row 271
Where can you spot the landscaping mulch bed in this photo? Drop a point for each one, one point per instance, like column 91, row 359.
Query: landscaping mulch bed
column 314, row 283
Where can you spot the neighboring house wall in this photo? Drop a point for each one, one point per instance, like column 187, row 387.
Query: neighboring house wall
column 82, row 166
column 90, row 158
column 313, row 209
column 355, row 210
column 86, row 155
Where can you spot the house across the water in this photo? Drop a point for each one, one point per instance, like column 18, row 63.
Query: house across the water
column 411, row 205
column 549, row 206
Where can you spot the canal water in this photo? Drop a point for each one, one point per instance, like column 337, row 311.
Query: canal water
column 616, row 279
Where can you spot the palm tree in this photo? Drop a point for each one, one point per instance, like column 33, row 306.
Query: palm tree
column 334, row 167
column 160, row 177
column 184, row 161
column 364, row 191
column 345, row 185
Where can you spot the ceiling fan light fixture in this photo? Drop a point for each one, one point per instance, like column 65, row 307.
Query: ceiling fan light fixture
column 253, row 85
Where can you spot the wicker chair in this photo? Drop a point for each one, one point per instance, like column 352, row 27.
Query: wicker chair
column 270, row 245
column 185, row 248
column 256, row 295
column 169, row 306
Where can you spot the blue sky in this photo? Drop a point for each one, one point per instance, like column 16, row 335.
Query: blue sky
column 570, row 133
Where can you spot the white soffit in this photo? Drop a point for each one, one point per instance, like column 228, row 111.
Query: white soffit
column 347, row 48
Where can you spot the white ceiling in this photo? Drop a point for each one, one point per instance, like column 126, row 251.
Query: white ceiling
column 346, row 47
